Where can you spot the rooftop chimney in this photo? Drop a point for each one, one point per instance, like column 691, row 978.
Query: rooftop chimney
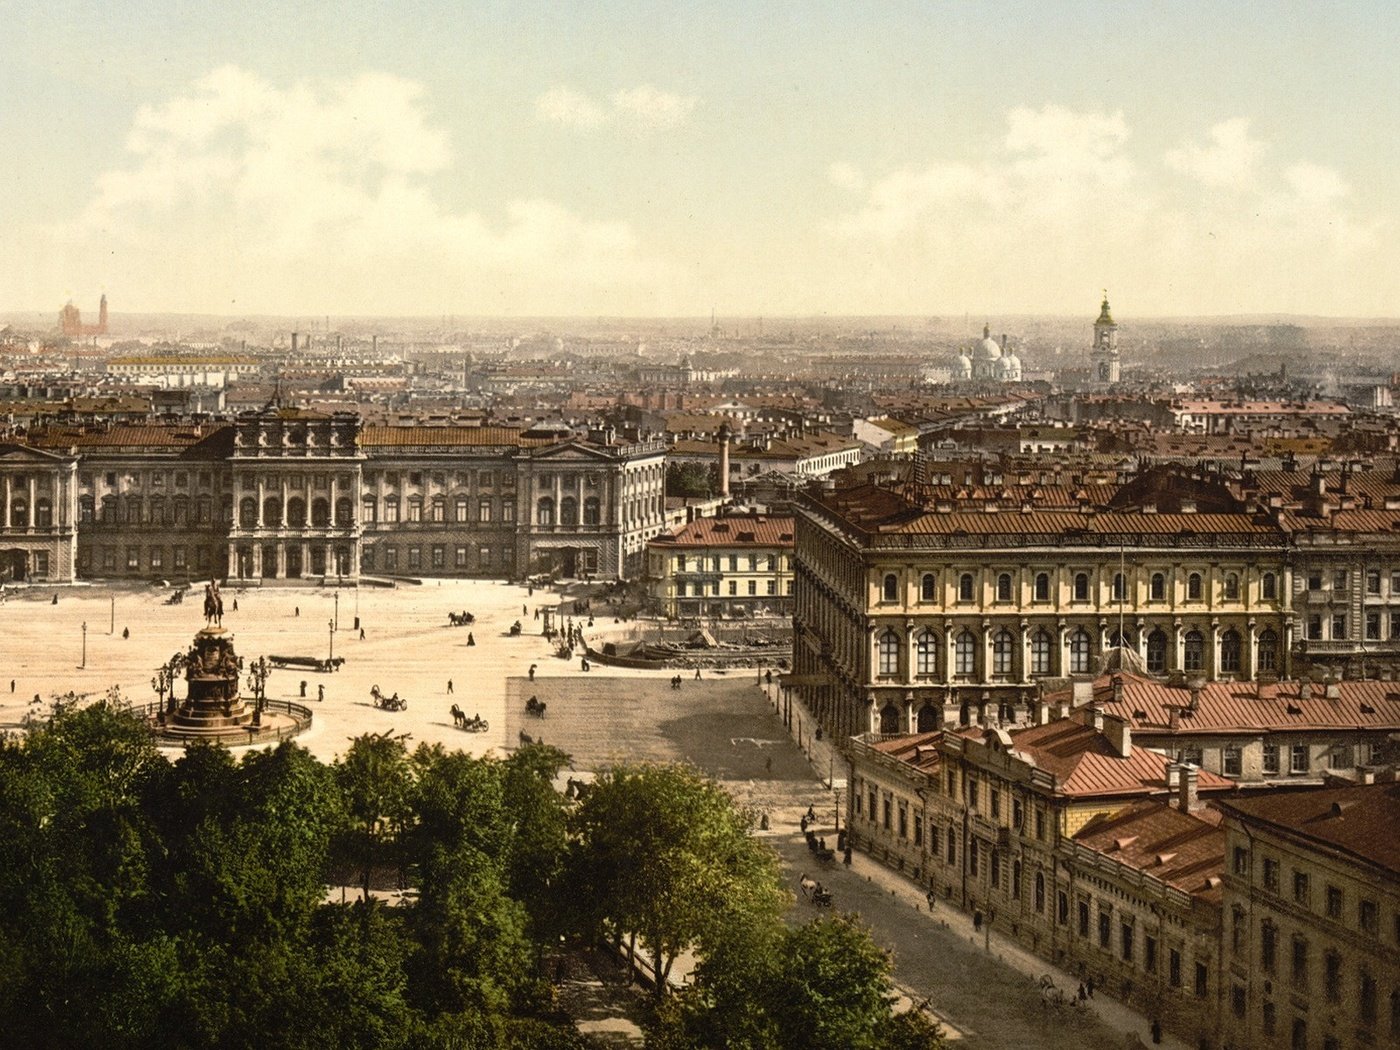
column 1195, row 687
column 724, row 461
column 1096, row 714
column 294, row 341
column 1186, row 788
column 1117, row 689
column 1119, row 734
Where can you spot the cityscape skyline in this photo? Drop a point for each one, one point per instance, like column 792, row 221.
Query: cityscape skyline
column 636, row 161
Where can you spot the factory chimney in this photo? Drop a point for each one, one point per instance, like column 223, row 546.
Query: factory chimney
column 724, row 461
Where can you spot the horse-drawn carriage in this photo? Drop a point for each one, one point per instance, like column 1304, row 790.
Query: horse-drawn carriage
column 815, row 892
column 385, row 702
column 515, row 629
column 535, row 706
column 308, row 663
column 474, row 724
column 461, row 619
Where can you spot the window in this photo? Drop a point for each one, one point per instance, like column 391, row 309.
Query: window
column 1157, row 589
column 1157, row 652
column 1081, row 586
column 1268, row 946
column 1332, row 976
column 1300, row 962
column 369, row 510
column 593, row 513
column 1366, row 1005
column 889, row 653
column 1339, row 625
column 1042, row 586
column 1079, row 651
column 1271, row 873
column 1174, row 967
column 438, row 556
column 1230, row 652
column 1267, row 654
column 1373, row 626
column 1105, row 922
column 1125, row 941
column 1339, row 580
column 391, row 510
column 415, row 508
column 1040, row 824
column 1232, row 760
column 415, row 558
column 918, row 827
column 1039, row 891
column 1119, row 590
column 996, row 803
column 1340, row 757
column 1238, row 1002
column 1268, row 586
column 1001, row 652
column 1373, row 581
column 753, row 586
column 1202, row 980
column 1271, row 758
column 1301, row 891
column 965, row 586
column 1195, row 651
column 437, row 510
column 1315, row 626
column 460, row 558
column 890, row 589
column 903, row 821
column 886, row 809
column 926, row 643
column 1368, row 917
column 1298, row 758
column 1232, row 587
column 965, row 653
column 928, row 587
column 568, row 511
column 1300, row 1034
column 544, row 511
column 1004, row 587
column 1149, row 954
column 974, row 857
column 1193, row 587
column 1040, row 652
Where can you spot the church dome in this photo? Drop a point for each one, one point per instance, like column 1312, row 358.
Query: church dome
column 987, row 349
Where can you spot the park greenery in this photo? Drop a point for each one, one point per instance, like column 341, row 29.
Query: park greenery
column 202, row 902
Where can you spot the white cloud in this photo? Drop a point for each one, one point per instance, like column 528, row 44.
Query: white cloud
column 317, row 196
column 564, row 105
column 652, row 108
column 846, row 175
column 1228, row 162
column 643, row 107
column 1064, row 206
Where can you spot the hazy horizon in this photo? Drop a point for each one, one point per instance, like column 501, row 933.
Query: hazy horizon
column 640, row 160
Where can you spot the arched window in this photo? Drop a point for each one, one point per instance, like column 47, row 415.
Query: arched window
column 296, row 512
column 1119, row 590
column 1002, row 648
column 43, row 513
column 928, row 587
column 568, row 511
column 1042, row 586
column 321, row 512
column 272, row 512
column 1040, row 891
column 369, row 510
column 592, row 511
column 1157, row 652
column 1268, row 651
column 181, row 506
column 1232, row 586
column 930, row 718
column 226, row 508
column 1193, row 587
column 927, row 650
column 889, row 653
column 965, row 653
column 1004, row 587
column 1080, row 649
column 19, row 512
column 965, row 587
column 1041, row 647
column 1081, row 586
column 1157, row 589
column 544, row 511
column 1268, row 586
column 344, row 512
column 1195, row 659
column 1230, row 652
column 889, row 719
column 204, row 510
column 889, row 590
column 248, row 513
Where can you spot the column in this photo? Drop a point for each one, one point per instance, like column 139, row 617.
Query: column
column 333, row 490
column 987, row 652
column 1249, row 658
column 1213, row 668
column 1063, row 632
column 261, row 494
column 1025, row 652
column 8, row 483
column 33, row 484
column 257, row 560
column 949, row 651
column 1178, row 647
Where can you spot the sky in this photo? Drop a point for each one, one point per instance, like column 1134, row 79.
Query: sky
column 652, row 158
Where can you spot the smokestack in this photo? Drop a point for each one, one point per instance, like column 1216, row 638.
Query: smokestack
column 295, row 336
column 1186, row 788
column 724, row 461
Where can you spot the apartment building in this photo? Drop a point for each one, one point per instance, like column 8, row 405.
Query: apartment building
column 726, row 566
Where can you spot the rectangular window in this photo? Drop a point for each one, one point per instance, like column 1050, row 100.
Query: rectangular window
column 178, row 557
column 439, row 556
column 1339, row 625
column 1302, row 893
column 886, row 812
column 1232, row 760
column 1104, row 925
column 996, row 804
column 918, row 829
column 1373, row 626
column 1300, row 962
column 1315, row 627
column 1334, row 902
column 1298, row 758
column 415, row 558
column 1332, row 976
column 1241, row 861
column 391, row 559
column 1268, row 947
column 1339, row 580
column 1271, row 758
column 483, row 510
column 133, row 557
column 1125, row 936
column 903, row 821
column 734, row 589
column 460, row 558
column 1174, row 967
column 1149, row 954
column 1368, row 917
column 507, row 510
column 1202, row 980
column 1271, row 872
column 753, row 586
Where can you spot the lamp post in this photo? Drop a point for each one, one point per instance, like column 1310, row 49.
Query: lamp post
column 258, row 671
column 112, row 625
column 164, row 681
column 336, row 620
column 330, row 625
column 83, row 665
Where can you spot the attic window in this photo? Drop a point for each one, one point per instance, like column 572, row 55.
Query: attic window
column 1212, row 881
column 1338, row 808
column 1367, row 709
column 1140, row 715
column 746, row 537
column 1165, row 858
column 784, row 536
column 1125, row 842
column 1294, row 709
column 722, row 526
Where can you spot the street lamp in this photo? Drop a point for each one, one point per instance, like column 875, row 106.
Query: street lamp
column 258, row 671
column 330, row 625
column 336, row 621
column 83, row 665
column 163, row 682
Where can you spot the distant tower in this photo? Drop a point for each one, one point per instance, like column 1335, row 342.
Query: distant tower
column 102, row 316
column 1107, row 364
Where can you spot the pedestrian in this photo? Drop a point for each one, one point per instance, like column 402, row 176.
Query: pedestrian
column 1089, row 984
column 977, row 920
column 320, row 692
column 470, row 639
column 847, row 859
column 590, row 619
column 55, row 599
column 362, row 634
column 768, row 765
column 303, row 688
column 449, row 687
column 525, row 609
column 932, row 899
column 1156, row 1030
column 1082, row 997
column 532, row 672
column 235, row 605
column 126, row 633
column 697, row 674
column 537, row 613
column 298, row 609
column 12, row 685
column 803, row 823
column 36, row 699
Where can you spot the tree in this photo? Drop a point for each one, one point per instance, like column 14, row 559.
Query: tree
column 665, row 857
column 691, row 480
column 376, row 779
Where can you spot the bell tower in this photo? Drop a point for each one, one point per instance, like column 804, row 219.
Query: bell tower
column 1107, row 365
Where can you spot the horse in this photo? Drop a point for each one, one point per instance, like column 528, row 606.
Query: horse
column 459, row 720
column 525, row 738
column 374, row 694
column 809, row 885
column 213, row 605
column 535, row 706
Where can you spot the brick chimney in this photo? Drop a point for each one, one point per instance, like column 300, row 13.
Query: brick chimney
column 1096, row 716
column 1195, row 687
column 1119, row 734
column 1186, row 788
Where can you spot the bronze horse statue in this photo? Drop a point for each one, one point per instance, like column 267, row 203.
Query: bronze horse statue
column 213, row 605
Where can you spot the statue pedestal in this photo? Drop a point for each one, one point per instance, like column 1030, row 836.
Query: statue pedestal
column 211, row 677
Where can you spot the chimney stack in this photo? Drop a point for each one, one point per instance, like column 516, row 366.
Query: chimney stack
column 1186, row 788
column 1096, row 714
column 1195, row 687
column 1117, row 688
column 294, row 341
column 724, row 461
column 1119, row 734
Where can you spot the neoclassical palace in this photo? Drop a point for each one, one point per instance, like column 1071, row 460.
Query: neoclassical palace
column 289, row 495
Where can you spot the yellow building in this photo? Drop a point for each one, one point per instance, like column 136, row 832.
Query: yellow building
column 728, row 566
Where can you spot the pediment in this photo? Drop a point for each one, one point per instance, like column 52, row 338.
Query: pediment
column 11, row 454
column 570, row 452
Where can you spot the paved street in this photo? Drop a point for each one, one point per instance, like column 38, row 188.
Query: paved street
column 723, row 724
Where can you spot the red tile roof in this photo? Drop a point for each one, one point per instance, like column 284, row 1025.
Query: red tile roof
column 1359, row 820
column 413, row 436
column 737, row 530
column 1184, row 850
column 919, row 750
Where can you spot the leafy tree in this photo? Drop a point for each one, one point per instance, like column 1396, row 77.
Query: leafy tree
column 539, row 838
column 695, row 480
column 665, row 857
column 375, row 776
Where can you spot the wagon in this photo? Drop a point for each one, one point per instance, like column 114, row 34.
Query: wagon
column 307, row 663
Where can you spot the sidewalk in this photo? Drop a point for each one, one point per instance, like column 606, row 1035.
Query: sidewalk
column 1112, row 1013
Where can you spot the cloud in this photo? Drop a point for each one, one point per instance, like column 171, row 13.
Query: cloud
column 845, row 175
column 564, row 105
column 1229, row 160
column 643, row 108
column 319, row 195
column 1064, row 204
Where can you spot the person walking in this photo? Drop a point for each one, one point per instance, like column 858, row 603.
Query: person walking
column 235, row 605
column 697, row 674
column 298, row 610
column 470, row 639
column 532, row 672
column 1089, row 984
column 126, row 633
column 449, row 687
column 320, row 692
column 932, row 899
column 362, row 634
